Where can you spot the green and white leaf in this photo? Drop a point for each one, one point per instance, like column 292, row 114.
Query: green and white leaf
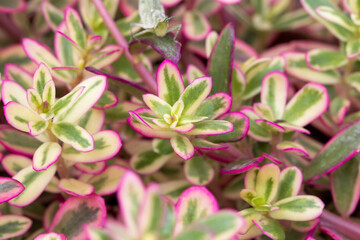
column 52, row 15
column 157, row 105
column 75, row 28
column 323, row 60
column 182, row 147
column 289, row 183
column 46, row 155
column 267, row 181
column 148, row 162
column 271, row 228
column 12, row 226
column 199, row 171
column 106, row 183
column 75, row 187
column 19, row 116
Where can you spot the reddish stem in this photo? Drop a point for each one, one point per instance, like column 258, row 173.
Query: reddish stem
column 119, row 38
column 341, row 225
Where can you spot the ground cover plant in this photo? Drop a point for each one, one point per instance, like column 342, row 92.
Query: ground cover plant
column 180, row 119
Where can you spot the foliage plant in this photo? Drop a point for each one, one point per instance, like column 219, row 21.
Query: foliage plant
column 180, row 119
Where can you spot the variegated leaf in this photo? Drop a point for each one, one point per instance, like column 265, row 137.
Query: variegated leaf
column 18, row 74
column 75, row 28
column 249, row 215
column 298, row 208
column 305, row 226
column 75, row 187
column 52, row 236
column 107, row 100
column 195, row 94
column 34, row 99
column 53, row 16
column 41, row 77
column 63, row 103
column 34, row 183
column 91, row 168
column 9, row 188
column 46, row 155
column 130, row 194
column 107, row 144
column 120, row 112
column 106, row 183
column 256, row 131
column 193, row 72
column 13, row 163
column 238, row 83
column 270, row 228
column 12, row 91
column 77, row 212
column 210, row 42
column 274, row 90
column 18, row 142
column 288, row 146
column 264, row 111
column 289, row 183
column 74, row 135
column 105, row 56
column 13, row 226
column 199, row 171
column 267, row 182
column 169, row 81
column 241, row 165
column 157, row 105
column 296, row 67
column 19, row 116
column 207, row 145
column 148, row 162
column 322, row 60
column 214, row 106
column 67, row 54
column 338, row 108
column 194, row 203
column 37, row 127
column 173, row 189
column 195, row 25
column 94, row 88
column 49, row 93
column 308, row 104
column 162, row 146
column 182, row 147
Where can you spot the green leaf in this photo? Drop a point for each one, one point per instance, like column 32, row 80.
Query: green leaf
column 339, row 149
column 173, row 189
column 74, row 135
column 13, row 226
column 162, row 146
column 34, row 183
column 66, row 51
column 298, row 208
column 198, row 171
column 107, row 100
column 211, row 127
column 182, row 147
column 296, row 66
column 169, row 81
column 255, row 74
column 107, row 182
column 308, row 104
column 352, row 48
column 271, row 228
column 338, row 108
column 157, row 105
column 345, row 186
column 354, row 80
column 148, row 162
column 322, row 60
column 219, row 64
column 214, row 106
column 332, row 17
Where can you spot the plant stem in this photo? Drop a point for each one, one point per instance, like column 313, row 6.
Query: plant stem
column 62, row 168
column 119, row 38
column 341, row 225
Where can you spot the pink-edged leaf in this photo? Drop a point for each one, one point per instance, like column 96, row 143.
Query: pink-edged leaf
column 148, row 162
column 74, row 26
column 12, row 91
column 305, row 226
column 13, row 226
column 199, row 171
column 195, row 25
column 94, row 87
column 267, row 181
column 34, row 183
column 131, row 192
column 65, row 51
column 240, row 124
column 184, row 128
column 169, row 81
column 107, row 100
column 12, row 6
column 13, row 163
column 211, row 127
column 270, row 228
column 77, row 212
column 229, row 1
column 289, row 183
column 120, row 112
column 215, row 105
column 274, row 90
column 220, row 62
column 170, row 3
column 192, row 72
column 194, row 203
column 270, row 126
column 107, row 144
column 292, row 127
column 91, row 168
column 250, row 214
column 49, row 213
column 9, row 188
column 238, row 84
column 256, row 131
column 173, row 189
column 17, row 74
column 341, row 147
column 240, row 166
column 345, row 182
column 264, row 111
column 338, row 108
column 34, row 99
column 298, row 208
column 18, row 142
column 41, row 77
column 106, row 183
column 105, row 56
column 210, row 42
column 159, row 106
column 15, row 54
column 52, row 236
column 207, row 145
column 53, row 16
column 308, row 104
column 272, row 158
column 40, row 54
column 46, row 155
column 74, row 135
column 288, row 146
column 75, row 187
column 182, row 147
column 19, row 116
